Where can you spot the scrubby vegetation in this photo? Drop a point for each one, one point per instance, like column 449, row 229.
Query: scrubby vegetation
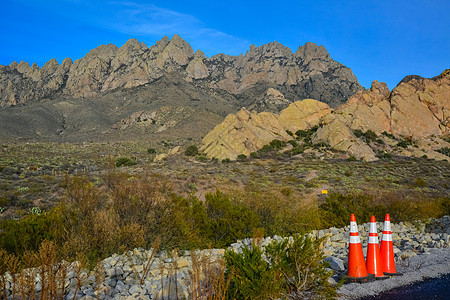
column 84, row 206
column 291, row 269
column 191, row 150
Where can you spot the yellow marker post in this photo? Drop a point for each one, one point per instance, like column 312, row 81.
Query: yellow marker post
column 324, row 192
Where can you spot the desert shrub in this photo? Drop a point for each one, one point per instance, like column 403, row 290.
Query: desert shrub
column 29, row 232
column 348, row 173
column 226, row 160
column 379, row 141
column 191, row 150
column 125, row 162
column 286, row 191
column 289, row 132
column 253, row 154
column 337, row 208
column 351, row 158
column 306, row 133
column 402, row 144
column 320, row 145
column 250, row 275
column 445, row 151
column 297, row 150
column 420, row 182
column 300, row 264
column 386, row 155
column 370, row 135
column 301, row 133
column 228, row 221
column 241, row 157
column 358, row 133
column 202, row 158
column 388, row 135
column 284, row 268
column 293, row 143
column 277, row 144
column 151, row 151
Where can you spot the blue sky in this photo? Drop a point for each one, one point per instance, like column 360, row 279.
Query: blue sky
column 382, row 40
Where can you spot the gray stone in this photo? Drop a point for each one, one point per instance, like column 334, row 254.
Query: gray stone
column 335, row 263
column 137, row 289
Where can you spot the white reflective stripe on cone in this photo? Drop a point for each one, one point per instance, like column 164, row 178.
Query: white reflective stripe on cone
column 373, row 240
column 373, row 228
column 387, row 226
column 355, row 239
column 387, row 237
column 353, row 227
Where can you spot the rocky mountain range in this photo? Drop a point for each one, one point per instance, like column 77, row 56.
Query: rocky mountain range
column 413, row 120
column 309, row 72
column 112, row 84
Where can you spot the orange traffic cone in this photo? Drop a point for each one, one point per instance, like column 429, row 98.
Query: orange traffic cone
column 373, row 260
column 387, row 248
column 356, row 264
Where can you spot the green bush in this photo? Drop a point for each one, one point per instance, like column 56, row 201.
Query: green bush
column 351, row 158
column 386, row 155
column 226, row 160
column 228, row 221
column 445, row 151
column 293, row 143
column 125, row 162
column 277, row 144
column 289, row 132
column 253, row 154
column 191, row 150
column 202, row 158
column 297, row 150
column 337, row 208
column 388, row 135
column 300, row 264
column 265, row 149
column 241, row 157
column 320, row 145
column 250, row 275
column 301, row 133
column 358, row 133
column 151, row 151
column 402, row 144
column 370, row 135
column 292, row 269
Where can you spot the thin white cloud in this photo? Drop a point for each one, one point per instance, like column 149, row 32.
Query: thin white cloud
column 153, row 21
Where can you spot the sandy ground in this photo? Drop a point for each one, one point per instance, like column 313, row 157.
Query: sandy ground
column 414, row 269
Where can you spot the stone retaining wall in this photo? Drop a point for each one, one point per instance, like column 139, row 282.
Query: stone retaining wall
column 170, row 275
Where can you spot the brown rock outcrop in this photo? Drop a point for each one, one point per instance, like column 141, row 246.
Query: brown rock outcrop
column 417, row 107
column 246, row 132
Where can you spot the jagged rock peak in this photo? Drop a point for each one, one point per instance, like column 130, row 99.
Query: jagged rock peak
column 134, row 43
column 312, row 50
column 272, row 50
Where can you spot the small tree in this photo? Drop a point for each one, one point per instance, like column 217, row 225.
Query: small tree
column 191, row 150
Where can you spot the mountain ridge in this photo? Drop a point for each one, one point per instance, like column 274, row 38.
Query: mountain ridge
column 309, row 72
